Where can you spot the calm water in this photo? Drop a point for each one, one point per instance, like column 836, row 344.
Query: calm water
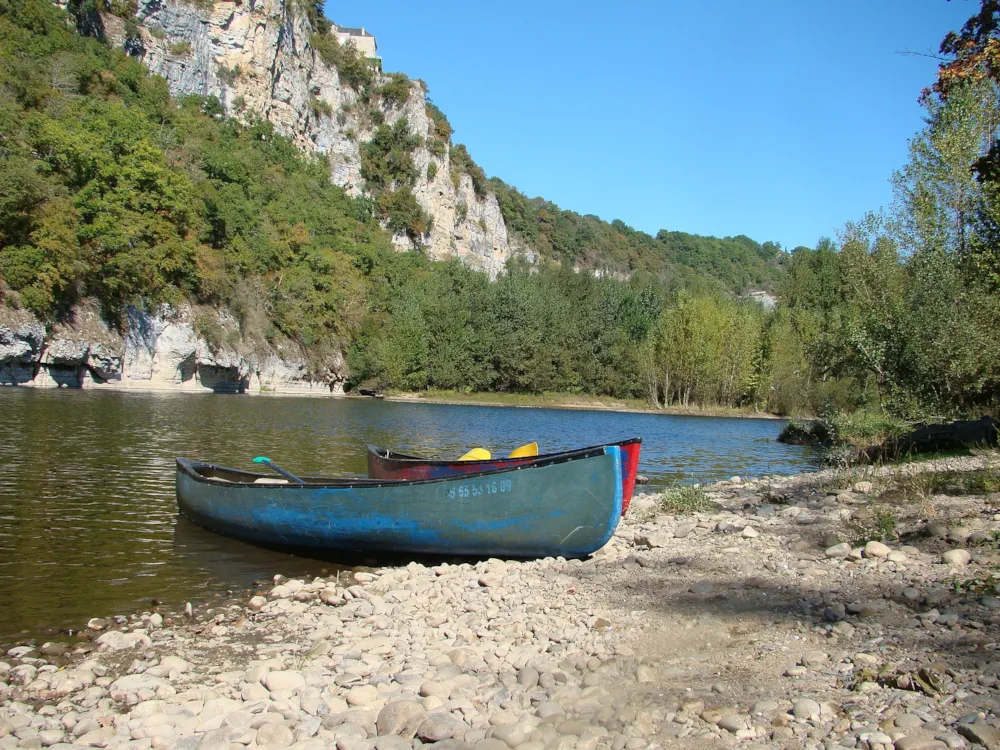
column 88, row 516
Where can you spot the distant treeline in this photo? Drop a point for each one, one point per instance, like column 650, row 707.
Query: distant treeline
column 735, row 264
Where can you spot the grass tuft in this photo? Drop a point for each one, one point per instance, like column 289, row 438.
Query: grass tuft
column 684, row 499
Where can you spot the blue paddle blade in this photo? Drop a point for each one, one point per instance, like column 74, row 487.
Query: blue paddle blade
column 262, row 460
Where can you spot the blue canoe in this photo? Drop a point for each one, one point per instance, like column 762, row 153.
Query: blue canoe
column 567, row 506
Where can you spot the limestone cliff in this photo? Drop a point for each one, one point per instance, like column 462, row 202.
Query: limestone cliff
column 256, row 57
column 161, row 350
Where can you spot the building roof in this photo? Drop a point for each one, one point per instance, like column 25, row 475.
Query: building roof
column 352, row 31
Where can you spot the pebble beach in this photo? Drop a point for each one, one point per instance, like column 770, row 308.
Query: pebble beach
column 755, row 623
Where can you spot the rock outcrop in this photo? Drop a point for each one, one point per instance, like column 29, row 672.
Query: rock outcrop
column 159, row 350
column 257, row 58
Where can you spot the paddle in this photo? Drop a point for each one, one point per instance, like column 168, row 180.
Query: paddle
column 267, row 462
column 525, row 451
column 476, row 454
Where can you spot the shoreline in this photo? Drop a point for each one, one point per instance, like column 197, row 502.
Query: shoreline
column 581, row 405
column 738, row 624
column 533, row 402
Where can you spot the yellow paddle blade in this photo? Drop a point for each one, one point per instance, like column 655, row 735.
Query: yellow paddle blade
column 530, row 449
column 476, row 454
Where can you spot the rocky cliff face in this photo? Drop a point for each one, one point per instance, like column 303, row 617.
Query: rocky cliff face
column 158, row 351
column 256, row 57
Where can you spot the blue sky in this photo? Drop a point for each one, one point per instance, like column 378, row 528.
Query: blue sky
column 779, row 120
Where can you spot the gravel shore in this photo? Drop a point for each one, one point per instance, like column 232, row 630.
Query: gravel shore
column 757, row 623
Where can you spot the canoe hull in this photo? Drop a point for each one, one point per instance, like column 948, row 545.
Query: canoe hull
column 386, row 464
column 568, row 508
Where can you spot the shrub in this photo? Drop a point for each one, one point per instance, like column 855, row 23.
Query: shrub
column 461, row 212
column 396, row 90
column 437, row 147
column 180, row 48
column 873, row 524
column 207, row 326
column 442, row 128
column 806, row 432
column 402, row 213
column 386, row 160
column 461, row 161
column 157, row 32
column 432, row 170
column 228, row 76
column 320, row 107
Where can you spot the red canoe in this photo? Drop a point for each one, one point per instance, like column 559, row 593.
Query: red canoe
column 386, row 464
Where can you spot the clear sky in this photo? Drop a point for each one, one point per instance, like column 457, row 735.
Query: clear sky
column 779, row 120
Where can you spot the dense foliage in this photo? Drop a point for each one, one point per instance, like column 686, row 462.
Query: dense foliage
column 111, row 189
column 738, row 263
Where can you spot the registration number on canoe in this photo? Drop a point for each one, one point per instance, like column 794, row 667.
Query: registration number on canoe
column 475, row 489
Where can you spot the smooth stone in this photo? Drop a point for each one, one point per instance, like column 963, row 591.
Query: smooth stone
column 733, row 722
column 918, row 742
column 275, row 735
column 512, row 734
column 805, row 708
column 839, row 550
column 400, row 717
column 438, row 727
column 982, row 734
column 683, row 529
column 283, row 680
column 814, row 658
column 490, row 744
column 958, row 558
column 362, row 695
column 876, row 549
column 392, row 742
column 527, row 678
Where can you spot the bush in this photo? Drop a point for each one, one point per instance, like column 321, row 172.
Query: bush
column 806, row 432
column 396, row 90
column 461, row 161
column 180, row 48
column 432, row 170
column 228, row 76
column 442, row 128
column 437, row 147
column 157, row 32
column 320, row 107
column 387, row 160
column 403, row 214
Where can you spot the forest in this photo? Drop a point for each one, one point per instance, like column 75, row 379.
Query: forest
column 112, row 189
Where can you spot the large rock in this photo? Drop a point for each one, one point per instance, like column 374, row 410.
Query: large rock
column 13, row 348
column 66, row 353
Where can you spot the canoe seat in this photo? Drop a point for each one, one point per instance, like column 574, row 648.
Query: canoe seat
column 269, row 480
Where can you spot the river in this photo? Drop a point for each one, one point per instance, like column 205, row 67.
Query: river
column 88, row 516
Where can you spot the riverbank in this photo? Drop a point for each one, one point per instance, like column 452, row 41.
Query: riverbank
column 748, row 623
column 569, row 401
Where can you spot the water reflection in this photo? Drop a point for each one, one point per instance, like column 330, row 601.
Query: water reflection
column 88, row 515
